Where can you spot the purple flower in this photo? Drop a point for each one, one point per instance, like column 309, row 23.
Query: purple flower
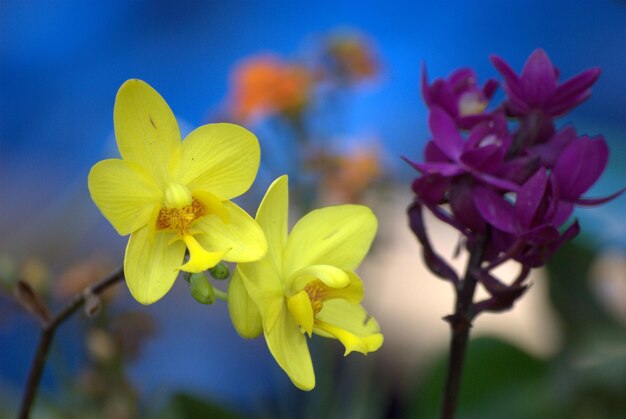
column 525, row 160
column 537, row 87
column 549, row 152
column 459, row 95
column 536, row 214
column 533, row 221
column 480, row 156
column 508, row 185
column 453, row 166
column 578, row 167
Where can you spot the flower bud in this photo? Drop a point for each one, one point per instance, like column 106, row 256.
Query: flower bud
column 201, row 289
column 220, row 271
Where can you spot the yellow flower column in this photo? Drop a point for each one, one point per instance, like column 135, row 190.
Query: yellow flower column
column 172, row 196
column 306, row 283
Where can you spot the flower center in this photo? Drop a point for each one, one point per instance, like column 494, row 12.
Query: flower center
column 471, row 103
column 316, row 292
column 180, row 219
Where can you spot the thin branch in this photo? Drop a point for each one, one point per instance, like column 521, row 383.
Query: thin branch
column 47, row 334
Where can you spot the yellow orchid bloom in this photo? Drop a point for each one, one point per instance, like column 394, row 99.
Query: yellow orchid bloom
column 172, row 196
column 306, row 283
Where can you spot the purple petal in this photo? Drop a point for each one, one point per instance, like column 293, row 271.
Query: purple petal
column 425, row 87
column 536, row 127
column 492, row 284
column 499, row 243
column 445, row 133
column 538, row 78
column 487, row 159
column 442, row 96
column 502, row 301
column 444, row 169
column 510, row 78
column 478, row 133
column 432, row 153
column 462, row 205
column 530, row 197
column 519, row 169
column 559, row 108
column 490, row 88
column 449, row 219
column 590, row 202
column 495, row 209
column 541, row 236
column 496, row 181
column 435, row 263
column 580, row 165
column 462, row 78
column 569, row 234
column 550, row 151
column 538, row 256
column 516, row 105
column 563, row 211
column 575, row 86
column 470, row 121
column 541, row 254
column 431, row 188
column 493, row 129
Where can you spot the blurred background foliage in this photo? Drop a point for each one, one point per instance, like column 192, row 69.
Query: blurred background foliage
column 331, row 90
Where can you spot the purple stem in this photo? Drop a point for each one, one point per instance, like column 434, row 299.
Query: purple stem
column 460, row 324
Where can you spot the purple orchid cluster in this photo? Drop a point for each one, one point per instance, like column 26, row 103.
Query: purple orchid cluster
column 505, row 177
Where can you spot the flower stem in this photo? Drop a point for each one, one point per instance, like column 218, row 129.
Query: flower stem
column 220, row 295
column 47, row 334
column 460, row 324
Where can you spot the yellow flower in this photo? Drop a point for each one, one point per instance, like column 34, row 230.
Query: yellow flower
column 172, row 196
column 306, row 283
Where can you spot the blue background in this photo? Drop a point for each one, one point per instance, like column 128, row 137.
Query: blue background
column 63, row 61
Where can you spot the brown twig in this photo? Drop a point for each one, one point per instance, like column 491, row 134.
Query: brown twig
column 460, row 324
column 47, row 334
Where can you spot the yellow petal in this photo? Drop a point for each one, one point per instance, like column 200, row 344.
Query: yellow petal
column 125, row 194
column 272, row 216
column 145, row 128
column 151, row 266
column 213, row 205
column 200, row 259
column 219, row 158
column 339, row 236
column 352, row 293
column 289, row 347
column 241, row 234
column 331, row 277
column 244, row 313
column 351, row 324
column 264, row 288
column 300, row 307
column 263, row 278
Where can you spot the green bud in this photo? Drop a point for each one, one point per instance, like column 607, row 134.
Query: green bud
column 220, row 271
column 201, row 289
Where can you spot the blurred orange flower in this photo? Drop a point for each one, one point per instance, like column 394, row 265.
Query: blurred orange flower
column 352, row 57
column 266, row 84
column 348, row 176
